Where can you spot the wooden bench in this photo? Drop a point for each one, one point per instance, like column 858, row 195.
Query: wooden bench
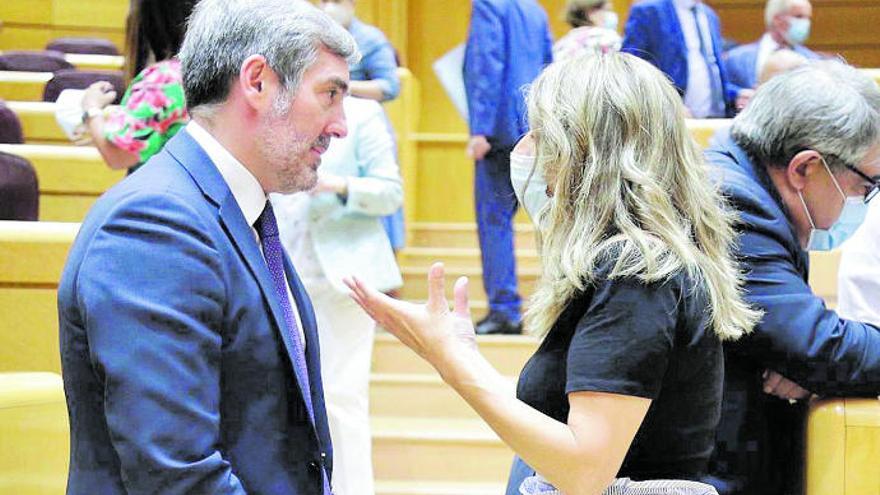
column 85, row 61
column 38, row 122
column 31, row 24
column 33, row 433
column 843, row 446
column 23, row 86
column 70, row 178
column 32, row 256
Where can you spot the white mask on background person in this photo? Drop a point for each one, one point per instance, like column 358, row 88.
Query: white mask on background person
column 339, row 13
column 611, row 20
column 530, row 187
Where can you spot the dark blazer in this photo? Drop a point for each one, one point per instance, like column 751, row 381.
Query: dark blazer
column 177, row 375
column 653, row 32
column 758, row 450
column 740, row 63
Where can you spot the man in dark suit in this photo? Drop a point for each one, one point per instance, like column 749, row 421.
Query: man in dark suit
column 683, row 39
column 788, row 26
column 798, row 183
column 508, row 45
column 189, row 349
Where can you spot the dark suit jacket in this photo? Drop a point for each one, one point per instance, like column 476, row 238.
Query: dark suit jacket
column 177, row 375
column 759, row 450
column 740, row 63
column 653, row 32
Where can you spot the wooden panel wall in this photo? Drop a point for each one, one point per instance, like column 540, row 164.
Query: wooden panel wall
column 30, row 24
column 434, row 29
column 839, row 26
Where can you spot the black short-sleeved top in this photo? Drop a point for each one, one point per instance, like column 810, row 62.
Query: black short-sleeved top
column 646, row 340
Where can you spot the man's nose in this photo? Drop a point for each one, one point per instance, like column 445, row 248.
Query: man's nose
column 337, row 127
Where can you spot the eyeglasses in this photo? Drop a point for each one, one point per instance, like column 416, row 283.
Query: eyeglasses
column 874, row 181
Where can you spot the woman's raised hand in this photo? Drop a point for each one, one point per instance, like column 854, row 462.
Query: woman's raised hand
column 431, row 329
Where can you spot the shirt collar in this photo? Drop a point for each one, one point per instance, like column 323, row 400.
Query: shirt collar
column 685, row 4
column 768, row 41
column 244, row 186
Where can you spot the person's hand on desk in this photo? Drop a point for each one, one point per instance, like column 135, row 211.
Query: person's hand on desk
column 431, row 330
column 478, row 147
column 782, row 387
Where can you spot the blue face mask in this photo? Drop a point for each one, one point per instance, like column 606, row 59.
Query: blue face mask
column 798, row 30
column 851, row 218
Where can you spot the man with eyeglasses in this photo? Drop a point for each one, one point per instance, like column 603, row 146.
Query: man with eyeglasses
column 799, row 166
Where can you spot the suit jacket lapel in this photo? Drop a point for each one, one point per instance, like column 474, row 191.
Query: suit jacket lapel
column 680, row 46
column 194, row 159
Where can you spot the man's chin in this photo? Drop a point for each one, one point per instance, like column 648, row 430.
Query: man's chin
column 306, row 180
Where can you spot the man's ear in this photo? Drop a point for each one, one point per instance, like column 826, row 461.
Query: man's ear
column 254, row 80
column 801, row 167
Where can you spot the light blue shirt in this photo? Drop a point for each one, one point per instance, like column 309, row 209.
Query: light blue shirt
column 378, row 62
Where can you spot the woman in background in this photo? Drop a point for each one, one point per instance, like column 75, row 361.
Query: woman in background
column 594, row 29
column 638, row 290
column 153, row 108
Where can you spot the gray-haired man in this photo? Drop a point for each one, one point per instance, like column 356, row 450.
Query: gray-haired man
column 800, row 165
column 189, row 347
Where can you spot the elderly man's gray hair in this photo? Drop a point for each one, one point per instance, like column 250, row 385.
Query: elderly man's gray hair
column 221, row 34
column 773, row 8
column 826, row 106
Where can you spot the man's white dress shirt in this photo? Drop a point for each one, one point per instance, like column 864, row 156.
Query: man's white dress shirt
column 246, row 190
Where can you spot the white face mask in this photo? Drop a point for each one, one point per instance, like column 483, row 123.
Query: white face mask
column 611, row 20
column 531, row 192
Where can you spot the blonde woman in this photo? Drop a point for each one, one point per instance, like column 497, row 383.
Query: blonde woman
column 638, row 291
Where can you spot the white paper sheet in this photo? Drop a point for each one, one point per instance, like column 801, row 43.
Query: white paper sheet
column 449, row 69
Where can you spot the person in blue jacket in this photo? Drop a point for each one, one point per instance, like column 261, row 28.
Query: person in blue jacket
column 799, row 164
column 508, row 45
column 683, row 39
column 788, row 27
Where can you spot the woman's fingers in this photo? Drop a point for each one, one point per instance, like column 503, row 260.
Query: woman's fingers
column 437, row 289
column 461, row 306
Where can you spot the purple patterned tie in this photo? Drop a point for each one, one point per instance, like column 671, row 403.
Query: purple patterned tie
column 267, row 228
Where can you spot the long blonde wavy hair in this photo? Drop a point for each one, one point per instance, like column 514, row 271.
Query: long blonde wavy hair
column 629, row 184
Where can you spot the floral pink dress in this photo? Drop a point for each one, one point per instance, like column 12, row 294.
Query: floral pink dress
column 153, row 109
column 586, row 39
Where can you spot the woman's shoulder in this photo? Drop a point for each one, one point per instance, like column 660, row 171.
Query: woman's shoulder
column 160, row 73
